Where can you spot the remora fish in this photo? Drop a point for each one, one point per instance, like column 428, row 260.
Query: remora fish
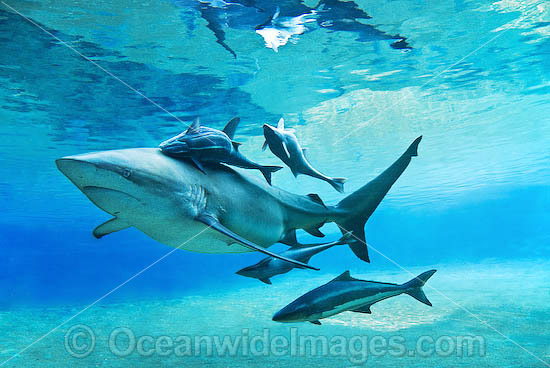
column 203, row 144
column 269, row 266
column 176, row 204
column 346, row 293
column 284, row 144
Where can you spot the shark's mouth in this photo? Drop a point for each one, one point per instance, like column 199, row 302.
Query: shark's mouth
column 111, row 200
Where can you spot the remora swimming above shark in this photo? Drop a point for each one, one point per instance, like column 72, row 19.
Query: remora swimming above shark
column 284, row 144
column 346, row 293
column 225, row 211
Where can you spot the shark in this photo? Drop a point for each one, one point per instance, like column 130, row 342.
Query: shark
column 345, row 293
column 229, row 210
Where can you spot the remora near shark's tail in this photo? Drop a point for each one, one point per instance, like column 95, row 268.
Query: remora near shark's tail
column 414, row 287
column 361, row 204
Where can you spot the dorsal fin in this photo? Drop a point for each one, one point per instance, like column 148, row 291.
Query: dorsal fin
column 195, row 125
column 315, row 198
column 231, row 127
column 344, row 277
column 281, row 124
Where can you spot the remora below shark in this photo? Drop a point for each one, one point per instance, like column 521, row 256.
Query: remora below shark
column 269, row 266
column 176, row 204
column 346, row 293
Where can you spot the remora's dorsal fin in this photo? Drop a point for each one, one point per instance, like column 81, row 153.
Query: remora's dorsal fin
column 345, row 277
column 231, row 127
column 281, row 124
column 195, row 125
column 213, row 223
column 363, row 309
column 111, row 226
column 315, row 198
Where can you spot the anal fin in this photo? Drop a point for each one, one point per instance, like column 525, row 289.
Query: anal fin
column 314, row 230
column 113, row 225
column 265, row 281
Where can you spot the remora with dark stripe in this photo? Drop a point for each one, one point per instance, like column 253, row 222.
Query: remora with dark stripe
column 346, row 293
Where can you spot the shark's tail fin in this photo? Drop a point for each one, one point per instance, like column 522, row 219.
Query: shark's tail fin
column 414, row 287
column 268, row 170
column 338, row 184
column 359, row 206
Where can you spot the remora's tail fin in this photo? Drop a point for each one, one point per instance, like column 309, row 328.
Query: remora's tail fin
column 361, row 204
column 268, row 170
column 414, row 287
column 338, row 184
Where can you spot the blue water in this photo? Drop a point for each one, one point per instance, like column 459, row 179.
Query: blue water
column 358, row 81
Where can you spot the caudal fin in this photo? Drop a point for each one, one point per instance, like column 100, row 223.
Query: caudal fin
column 359, row 206
column 338, row 184
column 414, row 287
column 268, row 170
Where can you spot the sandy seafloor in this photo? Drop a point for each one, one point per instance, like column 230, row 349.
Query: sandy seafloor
column 513, row 298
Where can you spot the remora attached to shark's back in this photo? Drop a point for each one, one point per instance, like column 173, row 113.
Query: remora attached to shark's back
column 225, row 211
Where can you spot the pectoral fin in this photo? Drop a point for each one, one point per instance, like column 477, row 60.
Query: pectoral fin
column 286, row 150
column 315, row 322
column 266, row 281
column 264, row 146
column 198, row 164
column 113, row 225
column 211, row 221
column 363, row 309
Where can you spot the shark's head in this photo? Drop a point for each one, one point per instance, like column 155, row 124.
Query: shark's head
column 121, row 180
column 297, row 311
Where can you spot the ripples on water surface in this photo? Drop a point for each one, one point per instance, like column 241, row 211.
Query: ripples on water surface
column 358, row 81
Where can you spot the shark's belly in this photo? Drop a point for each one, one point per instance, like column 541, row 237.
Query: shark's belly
column 190, row 235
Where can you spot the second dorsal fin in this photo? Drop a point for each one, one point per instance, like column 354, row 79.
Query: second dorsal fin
column 315, row 198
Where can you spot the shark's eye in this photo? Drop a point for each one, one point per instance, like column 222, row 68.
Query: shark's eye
column 126, row 173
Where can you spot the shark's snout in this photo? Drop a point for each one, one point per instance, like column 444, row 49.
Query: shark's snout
column 75, row 168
